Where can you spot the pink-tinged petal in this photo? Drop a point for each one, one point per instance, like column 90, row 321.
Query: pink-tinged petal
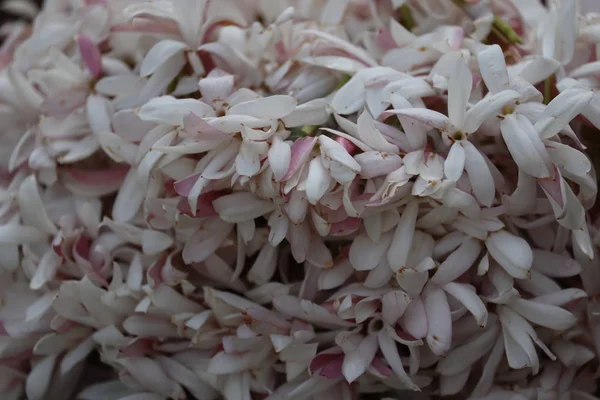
column 385, row 40
column 553, row 187
column 439, row 319
column 204, row 207
column 322, row 360
column 184, row 186
column 345, row 226
column 378, row 366
column 95, row 182
column 199, row 129
column 90, row 53
column 301, row 150
column 358, row 361
column 350, row 147
column 275, row 322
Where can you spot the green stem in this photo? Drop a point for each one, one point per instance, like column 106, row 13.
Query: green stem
column 506, row 30
column 406, row 17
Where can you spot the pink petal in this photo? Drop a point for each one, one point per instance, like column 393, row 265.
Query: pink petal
column 301, row 150
column 90, row 53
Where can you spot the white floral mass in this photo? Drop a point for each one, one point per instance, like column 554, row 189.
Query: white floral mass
column 300, row 199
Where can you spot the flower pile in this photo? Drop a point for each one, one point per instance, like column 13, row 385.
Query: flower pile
column 300, row 199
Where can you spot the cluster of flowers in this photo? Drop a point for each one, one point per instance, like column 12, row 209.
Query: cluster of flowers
column 299, row 199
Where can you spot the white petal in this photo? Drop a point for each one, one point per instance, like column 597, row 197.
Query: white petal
column 479, row 174
column 561, row 110
column 490, row 106
column 158, row 54
column 38, row 380
column 525, row 146
column 279, row 158
column 460, row 84
column 511, row 252
column 366, row 254
column 393, row 305
column 32, row 208
column 129, row 199
column 492, row 67
column 468, row 297
column 370, row 135
column 317, row 181
column 390, row 353
column 458, row 262
column 545, row 315
column 439, row 319
column 403, row 237
column 272, row 107
column 241, row 206
column 455, row 162
column 358, row 361
column 171, row 111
